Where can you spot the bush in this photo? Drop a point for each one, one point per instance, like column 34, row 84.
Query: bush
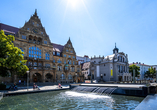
column 2, row 86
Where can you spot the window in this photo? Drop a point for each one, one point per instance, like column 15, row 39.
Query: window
column 59, row 61
column 64, row 61
column 33, row 23
column 35, row 65
column 64, row 55
column 41, row 32
column 37, row 24
column 58, row 53
column 73, row 56
column 59, row 68
column 104, row 64
column 66, row 68
column 69, row 61
column 29, row 63
column 69, row 45
column 22, row 50
column 28, row 29
column 23, row 37
column 66, row 50
column 71, row 51
column 53, row 52
column 47, row 56
column 47, row 65
column 69, row 56
column 53, row 60
column 72, row 69
column 45, row 42
column 73, row 62
column 62, row 76
column 40, row 65
column 34, row 52
column 70, row 76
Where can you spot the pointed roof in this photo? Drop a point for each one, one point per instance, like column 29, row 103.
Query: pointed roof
column 69, row 41
column 35, row 13
column 115, row 49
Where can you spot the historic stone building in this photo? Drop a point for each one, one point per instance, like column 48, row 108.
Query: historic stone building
column 47, row 62
column 113, row 67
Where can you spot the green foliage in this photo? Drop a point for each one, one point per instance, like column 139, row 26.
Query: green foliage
column 11, row 58
column 137, row 69
column 150, row 73
column 2, row 86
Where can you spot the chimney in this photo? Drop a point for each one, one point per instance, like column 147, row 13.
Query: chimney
column 136, row 62
column 139, row 62
column 133, row 62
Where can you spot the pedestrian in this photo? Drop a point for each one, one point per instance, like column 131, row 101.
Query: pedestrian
column 14, row 86
column 19, row 82
column 59, row 85
column 34, row 86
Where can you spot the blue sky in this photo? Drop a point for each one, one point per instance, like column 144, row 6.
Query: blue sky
column 93, row 25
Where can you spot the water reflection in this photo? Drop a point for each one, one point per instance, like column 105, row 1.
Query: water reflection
column 68, row 100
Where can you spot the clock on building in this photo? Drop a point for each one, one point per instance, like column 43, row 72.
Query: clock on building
column 35, row 30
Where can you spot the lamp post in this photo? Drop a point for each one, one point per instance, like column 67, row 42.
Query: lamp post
column 101, row 77
column 76, row 77
column 27, row 79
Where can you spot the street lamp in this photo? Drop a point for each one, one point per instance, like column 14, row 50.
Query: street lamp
column 76, row 76
column 101, row 77
column 27, row 79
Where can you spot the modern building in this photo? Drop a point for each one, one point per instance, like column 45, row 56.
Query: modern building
column 86, row 69
column 47, row 62
column 113, row 67
column 82, row 60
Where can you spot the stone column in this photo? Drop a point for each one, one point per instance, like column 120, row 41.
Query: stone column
column 43, row 77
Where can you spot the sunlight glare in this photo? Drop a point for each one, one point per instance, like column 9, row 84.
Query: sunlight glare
column 73, row 3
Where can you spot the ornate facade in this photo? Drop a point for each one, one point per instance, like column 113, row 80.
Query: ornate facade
column 113, row 67
column 47, row 62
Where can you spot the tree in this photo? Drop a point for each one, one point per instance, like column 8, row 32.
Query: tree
column 11, row 58
column 137, row 69
column 150, row 73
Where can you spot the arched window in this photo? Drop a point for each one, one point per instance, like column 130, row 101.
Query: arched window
column 47, row 56
column 59, row 68
column 34, row 52
column 22, row 50
column 62, row 76
column 64, row 61
column 69, row 76
column 69, row 61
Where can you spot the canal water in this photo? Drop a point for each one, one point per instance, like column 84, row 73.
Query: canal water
column 69, row 100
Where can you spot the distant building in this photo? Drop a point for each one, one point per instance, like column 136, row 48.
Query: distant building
column 86, row 69
column 143, row 68
column 113, row 67
column 81, row 59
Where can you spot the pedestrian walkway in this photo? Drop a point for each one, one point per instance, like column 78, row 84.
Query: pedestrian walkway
column 24, row 90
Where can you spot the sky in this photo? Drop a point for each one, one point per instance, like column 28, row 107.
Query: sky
column 94, row 26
